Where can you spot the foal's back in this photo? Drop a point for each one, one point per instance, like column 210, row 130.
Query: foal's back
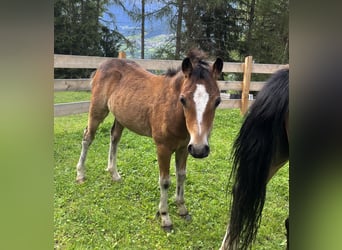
column 131, row 93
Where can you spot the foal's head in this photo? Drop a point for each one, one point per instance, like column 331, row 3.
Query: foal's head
column 200, row 96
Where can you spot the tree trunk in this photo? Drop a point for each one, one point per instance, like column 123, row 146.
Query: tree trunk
column 179, row 28
column 250, row 23
column 142, row 29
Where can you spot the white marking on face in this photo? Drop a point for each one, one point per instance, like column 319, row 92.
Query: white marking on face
column 201, row 98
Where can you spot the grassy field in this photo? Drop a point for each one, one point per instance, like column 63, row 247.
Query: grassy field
column 100, row 214
column 71, row 96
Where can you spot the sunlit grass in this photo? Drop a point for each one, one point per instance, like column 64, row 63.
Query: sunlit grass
column 100, row 214
column 71, row 96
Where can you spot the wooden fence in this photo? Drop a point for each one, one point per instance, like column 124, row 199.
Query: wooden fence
column 92, row 62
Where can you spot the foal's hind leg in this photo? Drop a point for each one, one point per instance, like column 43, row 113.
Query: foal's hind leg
column 115, row 137
column 181, row 157
column 96, row 116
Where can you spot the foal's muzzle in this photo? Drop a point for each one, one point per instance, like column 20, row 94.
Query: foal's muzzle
column 199, row 151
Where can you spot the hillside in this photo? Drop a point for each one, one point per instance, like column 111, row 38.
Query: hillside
column 156, row 31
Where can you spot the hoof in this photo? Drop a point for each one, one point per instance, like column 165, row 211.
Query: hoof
column 114, row 174
column 186, row 217
column 167, row 229
column 116, row 178
column 80, row 180
column 166, row 223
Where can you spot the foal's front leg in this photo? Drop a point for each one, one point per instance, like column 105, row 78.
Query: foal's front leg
column 164, row 158
column 181, row 157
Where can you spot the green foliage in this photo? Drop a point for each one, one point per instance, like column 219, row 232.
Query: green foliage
column 234, row 29
column 78, row 31
column 214, row 26
column 270, row 32
column 165, row 51
column 230, row 29
column 100, row 214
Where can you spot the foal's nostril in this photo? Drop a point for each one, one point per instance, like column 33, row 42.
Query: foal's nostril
column 206, row 149
column 190, row 148
column 198, row 151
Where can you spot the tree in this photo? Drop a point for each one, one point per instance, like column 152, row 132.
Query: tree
column 137, row 12
column 234, row 29
column 267, row 38
column 213, row 26
column 78, row 31
column 180, row 5
column 110, row 42
column 231, row 29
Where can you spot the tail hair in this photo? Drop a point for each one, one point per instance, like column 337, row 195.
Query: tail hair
column 252, row 154
column 92, row 75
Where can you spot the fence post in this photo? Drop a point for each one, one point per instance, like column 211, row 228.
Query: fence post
column 122, row 55
column 247, row 73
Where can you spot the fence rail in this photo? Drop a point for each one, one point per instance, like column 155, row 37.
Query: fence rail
column 92, row 62
column 84, row 85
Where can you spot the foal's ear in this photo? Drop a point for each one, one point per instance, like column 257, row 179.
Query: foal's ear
column 217, row 67
column 187, row 67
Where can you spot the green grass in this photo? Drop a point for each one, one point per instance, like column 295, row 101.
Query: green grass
column 100, row 214
column 71, row 96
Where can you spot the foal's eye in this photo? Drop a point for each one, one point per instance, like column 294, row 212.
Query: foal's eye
column 182, row 100
column 217, row 101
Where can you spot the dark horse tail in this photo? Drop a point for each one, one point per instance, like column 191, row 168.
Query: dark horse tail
column 253, row 151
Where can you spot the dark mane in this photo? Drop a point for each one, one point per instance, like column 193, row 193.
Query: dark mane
column 200, row 67
column 201, row 70
column 196, row 56
column 172, row 72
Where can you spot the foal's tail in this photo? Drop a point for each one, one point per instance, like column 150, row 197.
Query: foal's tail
column 253, row 151
column 92, row 75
